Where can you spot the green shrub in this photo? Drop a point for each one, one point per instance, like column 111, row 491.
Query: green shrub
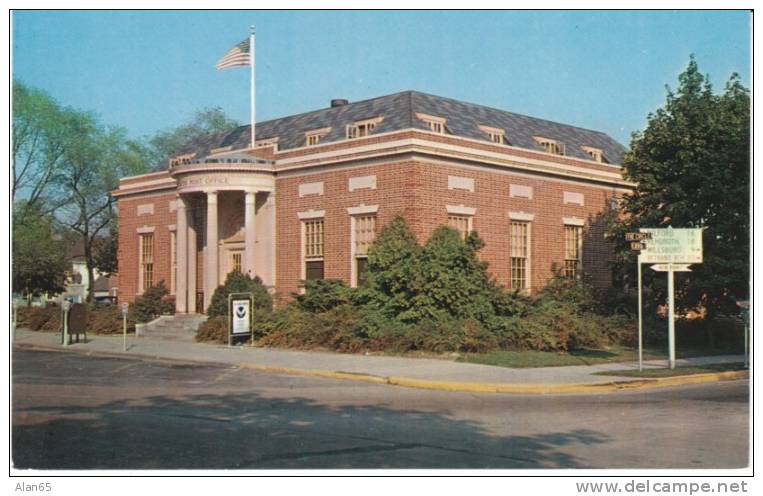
column 392, row 272
column 451, row 279
column 236, row 282
column 324, row 294
column 509, row 303
column 107, row 319
column 334, row 329
column 577, row 293
column 152, row 303
column 213, row 330
column 38, row 318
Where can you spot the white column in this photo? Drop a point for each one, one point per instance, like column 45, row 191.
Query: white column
column 249, row 233
column 181, row 255
column 211, row 267
column 192, row 249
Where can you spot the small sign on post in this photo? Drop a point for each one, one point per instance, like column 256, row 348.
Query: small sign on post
column 125, row 308
column 239, row 315
column 15, row 317
column 66, row 305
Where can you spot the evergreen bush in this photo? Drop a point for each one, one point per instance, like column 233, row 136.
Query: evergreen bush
column 236, row 282
column 152, row 303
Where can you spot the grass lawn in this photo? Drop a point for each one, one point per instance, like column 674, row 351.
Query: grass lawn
column 522, row 359
column 665, row 372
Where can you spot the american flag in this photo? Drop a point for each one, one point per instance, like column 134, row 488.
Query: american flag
column 238, row 56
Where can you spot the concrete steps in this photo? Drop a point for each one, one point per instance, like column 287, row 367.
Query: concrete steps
column 174, row 328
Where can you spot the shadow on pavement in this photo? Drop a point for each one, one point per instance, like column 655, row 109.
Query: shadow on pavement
column 248, row 431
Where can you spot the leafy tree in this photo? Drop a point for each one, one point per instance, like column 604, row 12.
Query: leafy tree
column 692, row 169
column 88, row 172
column 452, row 281
column 392, row 267
column 105, row 250
column 204, row 122
column 39, row 264
column 41, row 134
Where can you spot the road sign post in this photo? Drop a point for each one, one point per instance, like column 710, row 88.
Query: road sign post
column 671, row 322
column 640, row 320
column 671, row 250
column 125, row 308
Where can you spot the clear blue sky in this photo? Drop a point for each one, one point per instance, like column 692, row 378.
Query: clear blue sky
column 151, row 70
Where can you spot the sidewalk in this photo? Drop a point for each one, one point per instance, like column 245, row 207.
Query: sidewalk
column 412, row 372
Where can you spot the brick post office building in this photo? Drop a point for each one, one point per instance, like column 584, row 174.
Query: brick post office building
column 309, row 199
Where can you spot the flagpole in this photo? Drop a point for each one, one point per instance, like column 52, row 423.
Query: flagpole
column 251, row 54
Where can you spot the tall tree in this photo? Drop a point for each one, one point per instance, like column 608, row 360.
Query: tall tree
column 692, row 169
column 88, row 173
column 204, row 122
column 41, row 134
column 39, row 255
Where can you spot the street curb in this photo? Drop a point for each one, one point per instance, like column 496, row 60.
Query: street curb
column 450, row 386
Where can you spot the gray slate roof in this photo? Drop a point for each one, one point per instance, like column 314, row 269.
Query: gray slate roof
column 399, row 112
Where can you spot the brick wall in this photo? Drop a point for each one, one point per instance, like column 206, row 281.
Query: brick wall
column 128, row 251
column 419, row 191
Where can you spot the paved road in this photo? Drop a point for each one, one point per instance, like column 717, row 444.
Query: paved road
column 76, row 412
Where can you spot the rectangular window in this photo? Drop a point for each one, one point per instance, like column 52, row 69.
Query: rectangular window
column 572, row 251
column 313, row 249
column 434, row 123
column 365, row 232
column 314, row 137
column 146, row 261
column 551, row 146
column 461, row 223
column 235, row 265
column 173, row 261
column 520, row 235
column 362, row 128
column 436, row 127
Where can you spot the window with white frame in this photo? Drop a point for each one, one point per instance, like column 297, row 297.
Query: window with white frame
column 312, row 138
column 595, row 153
column 520, row 255
column 235, row 262
column 550, row 146
column 494, row 134
column 434, row 123
column 573, row 251
column 173, row 261
column 461, row 223
column 313, row 248
column 364, row 233
column 146, row 261
column 362, row 128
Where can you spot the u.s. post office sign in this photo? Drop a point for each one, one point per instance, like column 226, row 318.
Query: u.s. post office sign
column 670, row 245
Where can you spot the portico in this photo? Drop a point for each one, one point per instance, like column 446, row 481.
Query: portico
column 225, row 222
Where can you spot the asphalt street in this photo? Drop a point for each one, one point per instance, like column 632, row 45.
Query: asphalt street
column 85, row 412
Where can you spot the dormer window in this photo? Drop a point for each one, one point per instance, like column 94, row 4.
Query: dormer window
column 494, row 134
column 314, row 137
column 267, row 142
column 550, row 146
column 434, row 123
column 596, row 154
column 360, row 129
